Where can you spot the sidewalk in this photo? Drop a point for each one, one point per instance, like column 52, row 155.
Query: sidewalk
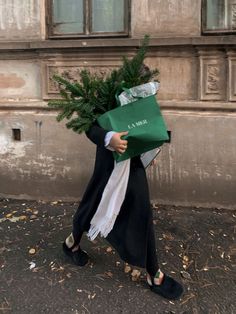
column 196, row 246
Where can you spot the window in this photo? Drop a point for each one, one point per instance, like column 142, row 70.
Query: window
column 88, row 18
column 219, row 16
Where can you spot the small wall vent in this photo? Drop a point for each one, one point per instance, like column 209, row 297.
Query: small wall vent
column 16, row 134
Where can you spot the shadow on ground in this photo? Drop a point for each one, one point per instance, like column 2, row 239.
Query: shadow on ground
column 196, row 246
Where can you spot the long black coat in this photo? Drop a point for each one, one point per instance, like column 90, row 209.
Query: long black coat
column 129, row 235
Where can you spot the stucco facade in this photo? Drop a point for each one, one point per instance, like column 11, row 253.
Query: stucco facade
column 197, row 97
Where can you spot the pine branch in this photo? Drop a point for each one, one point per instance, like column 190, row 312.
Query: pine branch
column 83, row 102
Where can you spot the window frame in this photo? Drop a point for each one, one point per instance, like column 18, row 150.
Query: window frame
column 87, row 24
column 215, row 32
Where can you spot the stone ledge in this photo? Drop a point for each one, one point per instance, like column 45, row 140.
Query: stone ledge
column 229, row 40
column 198, row 105
column 165, row 105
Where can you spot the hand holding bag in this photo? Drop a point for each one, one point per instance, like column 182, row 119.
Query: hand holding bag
column 144, row 122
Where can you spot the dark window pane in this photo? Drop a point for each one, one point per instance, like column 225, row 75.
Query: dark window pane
column 108, row 16
column 68, row 16
column 216, row 15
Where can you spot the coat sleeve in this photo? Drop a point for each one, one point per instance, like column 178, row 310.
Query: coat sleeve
column 97, row 135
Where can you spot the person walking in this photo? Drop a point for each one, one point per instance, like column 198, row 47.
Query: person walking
column 132, row 235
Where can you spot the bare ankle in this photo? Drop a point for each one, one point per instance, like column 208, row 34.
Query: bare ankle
column 71, row 244
column 158, row 278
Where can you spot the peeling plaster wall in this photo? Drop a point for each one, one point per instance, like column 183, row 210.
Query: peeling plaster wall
column 165, row 18
column 49, row 162
column 20, row 80
column 199, row 166
column 52, row 162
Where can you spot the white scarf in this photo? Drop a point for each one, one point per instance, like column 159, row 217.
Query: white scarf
column 115, row 190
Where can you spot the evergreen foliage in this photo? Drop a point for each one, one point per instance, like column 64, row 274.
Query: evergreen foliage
column 83, row 102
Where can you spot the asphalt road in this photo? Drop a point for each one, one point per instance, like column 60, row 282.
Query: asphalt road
column 196, row 246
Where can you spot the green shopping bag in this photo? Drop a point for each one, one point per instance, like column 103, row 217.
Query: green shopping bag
column 144, row 122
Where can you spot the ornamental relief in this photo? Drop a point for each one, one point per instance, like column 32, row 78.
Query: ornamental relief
column 213, row 79
column 232, row 77
column 71, row 73
column 233, row 16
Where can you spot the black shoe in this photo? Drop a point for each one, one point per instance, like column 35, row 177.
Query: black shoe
column 79, row 257
column 169, row 288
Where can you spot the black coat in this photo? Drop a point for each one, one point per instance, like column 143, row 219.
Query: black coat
column 129, row 235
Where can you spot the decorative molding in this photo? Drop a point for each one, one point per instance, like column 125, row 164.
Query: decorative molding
column 173, row 105
column 94, row 44
column 70, row 70
column 232, row 75
column 233, row 16
column 212, row 77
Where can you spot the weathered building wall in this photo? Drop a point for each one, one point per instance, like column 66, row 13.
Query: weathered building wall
column 21, row 20
column 197, row 96
column 20, row 80
column 194, row 166
column 165, row 18
column 49, row 162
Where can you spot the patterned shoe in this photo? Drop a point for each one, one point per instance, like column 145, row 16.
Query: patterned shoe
column 79, row 257
column 169, row 288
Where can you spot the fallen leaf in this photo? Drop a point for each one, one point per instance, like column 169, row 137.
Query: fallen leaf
column 185, row 259
column 32, row 265
column 222, row 255
column 23, row 217
column 60, row 281
column 185, row 274
column 188, row 297
column 93, row 296
column 127, row 269
column 135, row 274
column 33, row 217
column 168, row 236
column 32, row 251
column 14, row 219
column 109, row 274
